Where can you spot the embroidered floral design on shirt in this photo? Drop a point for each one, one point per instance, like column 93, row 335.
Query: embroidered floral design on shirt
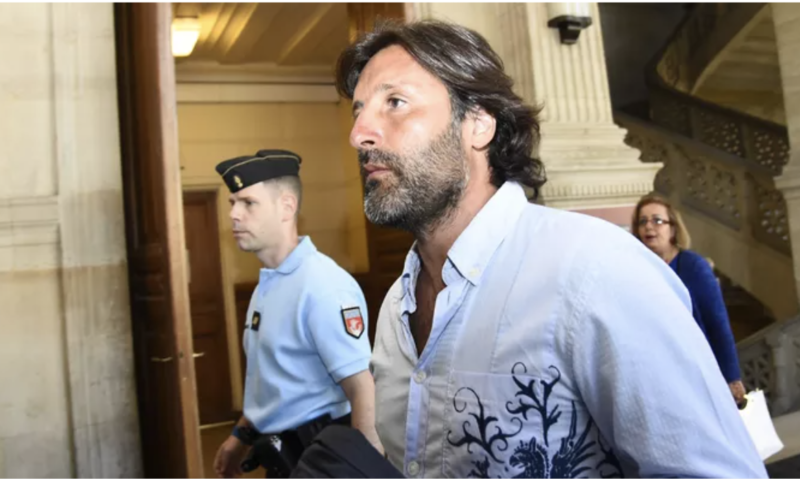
column 483, row 422
column 579, row 451
column 529, row 391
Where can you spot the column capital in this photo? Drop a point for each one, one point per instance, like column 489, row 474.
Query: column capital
column 590, row 166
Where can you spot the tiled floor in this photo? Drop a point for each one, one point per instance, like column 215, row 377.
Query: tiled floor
column 212, row 438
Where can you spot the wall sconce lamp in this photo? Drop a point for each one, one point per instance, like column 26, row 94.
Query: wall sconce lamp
column 185, row 32
column 570, row 19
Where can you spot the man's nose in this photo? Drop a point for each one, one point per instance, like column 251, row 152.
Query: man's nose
column 366, row 134
column 234, row 213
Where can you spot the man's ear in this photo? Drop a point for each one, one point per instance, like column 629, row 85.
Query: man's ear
column 483, row 128
column 288, row 204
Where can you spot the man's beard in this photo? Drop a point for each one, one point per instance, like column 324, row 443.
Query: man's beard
column 422, row 189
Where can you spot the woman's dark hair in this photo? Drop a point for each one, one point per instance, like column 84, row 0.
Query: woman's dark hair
column 473, row 74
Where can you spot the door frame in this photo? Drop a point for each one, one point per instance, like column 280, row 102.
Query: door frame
column 143, row 38
column 174, row 188
column 232, row 333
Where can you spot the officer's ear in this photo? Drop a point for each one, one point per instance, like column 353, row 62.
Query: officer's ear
column 288, row 206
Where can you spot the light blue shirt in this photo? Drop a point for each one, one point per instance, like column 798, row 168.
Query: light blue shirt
column 560, row 347
column 298, row 343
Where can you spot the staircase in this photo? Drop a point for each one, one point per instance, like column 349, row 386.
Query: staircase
column 714, row 119
column 740, row 70
column 719, row 163
column 747, row 314
column 710, row 120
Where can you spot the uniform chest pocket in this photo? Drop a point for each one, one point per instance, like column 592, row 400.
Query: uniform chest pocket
column 520, row 425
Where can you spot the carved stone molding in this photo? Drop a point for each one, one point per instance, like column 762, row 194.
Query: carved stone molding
column 712, row 190
column 560, row 192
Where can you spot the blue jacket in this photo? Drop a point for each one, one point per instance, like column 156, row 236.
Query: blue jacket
column 708, row 309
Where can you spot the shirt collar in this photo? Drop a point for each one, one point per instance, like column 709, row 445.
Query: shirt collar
column 303, row 250
column 476, row 245
column 474, row 248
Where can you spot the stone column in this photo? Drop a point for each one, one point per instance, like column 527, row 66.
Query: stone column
column 589, row 167
column 786, row 17
column 94, row 274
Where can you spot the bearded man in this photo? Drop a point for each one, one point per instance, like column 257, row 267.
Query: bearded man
column 519, row 340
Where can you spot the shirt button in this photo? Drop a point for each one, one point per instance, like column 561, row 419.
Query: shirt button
column 413, row 468
column 420, row 376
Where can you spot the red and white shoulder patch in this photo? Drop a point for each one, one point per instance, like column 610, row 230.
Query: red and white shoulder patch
column 353, row 321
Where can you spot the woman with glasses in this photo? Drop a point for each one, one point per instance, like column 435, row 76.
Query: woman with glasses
column 659, row 226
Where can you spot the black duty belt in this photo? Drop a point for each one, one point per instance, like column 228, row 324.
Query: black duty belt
column 280, row 453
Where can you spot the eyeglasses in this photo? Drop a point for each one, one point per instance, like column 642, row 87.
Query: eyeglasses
column 657, row 221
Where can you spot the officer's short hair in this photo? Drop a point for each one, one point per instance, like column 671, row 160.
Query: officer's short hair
column 292, row 184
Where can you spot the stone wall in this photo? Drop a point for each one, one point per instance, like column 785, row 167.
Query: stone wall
column 68, row 406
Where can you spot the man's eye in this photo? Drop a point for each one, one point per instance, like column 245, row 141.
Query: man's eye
column 396, row 102
column 248, row 203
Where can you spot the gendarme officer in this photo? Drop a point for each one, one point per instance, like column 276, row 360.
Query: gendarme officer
column 305, row 338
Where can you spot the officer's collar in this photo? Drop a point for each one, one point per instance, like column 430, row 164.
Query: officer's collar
column 303, row 250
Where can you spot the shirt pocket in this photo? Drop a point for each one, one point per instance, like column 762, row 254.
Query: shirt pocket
column 519, row 424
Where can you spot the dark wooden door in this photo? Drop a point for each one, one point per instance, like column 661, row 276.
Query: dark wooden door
column 208, row 308
column 156, row 252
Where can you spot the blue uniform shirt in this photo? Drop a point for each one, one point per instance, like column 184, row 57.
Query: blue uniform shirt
column 306, row 331
column 560, row 347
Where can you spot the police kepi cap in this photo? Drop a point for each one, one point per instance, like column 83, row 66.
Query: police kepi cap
column 243, row 171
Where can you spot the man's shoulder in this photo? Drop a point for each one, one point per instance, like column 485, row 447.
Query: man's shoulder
column 573, row 252
column 555, row 231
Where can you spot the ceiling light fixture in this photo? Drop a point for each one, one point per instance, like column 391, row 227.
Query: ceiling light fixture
column 185, row 32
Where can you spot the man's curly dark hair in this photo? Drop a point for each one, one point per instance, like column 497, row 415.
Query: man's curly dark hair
column 474, row 76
